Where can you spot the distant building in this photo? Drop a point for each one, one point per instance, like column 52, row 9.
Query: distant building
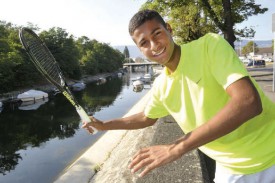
column 264, row 52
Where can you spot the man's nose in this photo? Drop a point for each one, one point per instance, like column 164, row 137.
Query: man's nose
column 154, row 45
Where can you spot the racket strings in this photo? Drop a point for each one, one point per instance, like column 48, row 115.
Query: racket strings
column 45, row 61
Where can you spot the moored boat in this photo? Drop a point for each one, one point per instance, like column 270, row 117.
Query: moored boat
column 78, row 86
column 138, row 86
column 32, row 105
column 147, row 78
column 32, row 95
column 119, row 74
column 101, row 81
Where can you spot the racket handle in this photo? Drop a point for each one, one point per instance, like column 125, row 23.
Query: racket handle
column 85, row 118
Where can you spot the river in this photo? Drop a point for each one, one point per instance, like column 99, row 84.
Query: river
column 37, row 145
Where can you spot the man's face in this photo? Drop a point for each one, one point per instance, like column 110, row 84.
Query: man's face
column 154, row 41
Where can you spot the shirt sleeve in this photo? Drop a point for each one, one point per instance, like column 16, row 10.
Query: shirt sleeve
column 225, row 64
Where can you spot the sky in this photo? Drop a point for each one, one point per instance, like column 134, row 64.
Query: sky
column 261, row 23
column 103, row 20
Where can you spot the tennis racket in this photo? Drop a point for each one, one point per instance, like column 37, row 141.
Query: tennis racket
column 46, row 64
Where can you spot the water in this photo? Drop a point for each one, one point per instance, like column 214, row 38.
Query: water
column 36, row 145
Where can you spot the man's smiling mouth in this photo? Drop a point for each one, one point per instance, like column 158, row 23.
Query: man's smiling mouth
column 159, row 52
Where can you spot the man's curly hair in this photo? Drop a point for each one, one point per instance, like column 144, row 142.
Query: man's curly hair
column 141, row 17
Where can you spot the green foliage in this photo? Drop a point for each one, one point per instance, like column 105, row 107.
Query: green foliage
column 126, row 52
column 250, row 47
column 63, row 47
column 75, row 57
column 98, row 57
column 15, row 71
column 191, row 19
column 185, row 18
column 128, row 60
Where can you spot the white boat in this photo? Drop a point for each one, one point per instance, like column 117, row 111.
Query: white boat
column 140, row 78
column 32, row 105
column 119, row 74
column 138, row 86
column 78, row 86
column 147, row 78
column 32, row 95
column 101, row 81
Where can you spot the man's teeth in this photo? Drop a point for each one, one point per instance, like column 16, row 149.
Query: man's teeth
column 160, row 52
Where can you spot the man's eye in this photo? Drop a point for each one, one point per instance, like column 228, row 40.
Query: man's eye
column 143, row 43
column 158, row 33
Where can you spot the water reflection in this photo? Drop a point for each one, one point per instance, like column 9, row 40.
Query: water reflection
column 24, row 127
column 97, row 96
column 32, row 105
column 21, row 129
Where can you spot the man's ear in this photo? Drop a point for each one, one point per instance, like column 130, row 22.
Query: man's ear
column 169, row 28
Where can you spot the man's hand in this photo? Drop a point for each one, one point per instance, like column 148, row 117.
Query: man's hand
column 94, row 123
column 153, row 157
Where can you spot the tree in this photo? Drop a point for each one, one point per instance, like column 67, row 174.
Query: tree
column 87, row 60
column 62, row 46
column 126, row 52
column 193, row 18
column 250, row 47
column 184, row 17
column 98, row 57
column 126, row 55
column 15, row 69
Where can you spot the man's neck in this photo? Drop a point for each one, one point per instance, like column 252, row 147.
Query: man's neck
column 174, row 60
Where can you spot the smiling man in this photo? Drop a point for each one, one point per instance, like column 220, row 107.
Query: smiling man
column 155, row 41
column 207, row 90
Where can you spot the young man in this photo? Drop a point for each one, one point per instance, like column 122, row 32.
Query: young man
column 209, row 93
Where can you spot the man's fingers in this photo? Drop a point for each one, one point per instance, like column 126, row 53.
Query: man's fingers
column 141, row 154
column 151, row 158
column 88, row 125
column 92, row 119
column 91, row 130
column 146, row 170
column 142, row 159
column 84, row 125
column 141, row 162
column 148, row 164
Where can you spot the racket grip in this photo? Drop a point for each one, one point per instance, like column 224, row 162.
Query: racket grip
column 85, row 118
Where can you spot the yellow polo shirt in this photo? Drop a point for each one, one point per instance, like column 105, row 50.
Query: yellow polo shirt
column 195, row 92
